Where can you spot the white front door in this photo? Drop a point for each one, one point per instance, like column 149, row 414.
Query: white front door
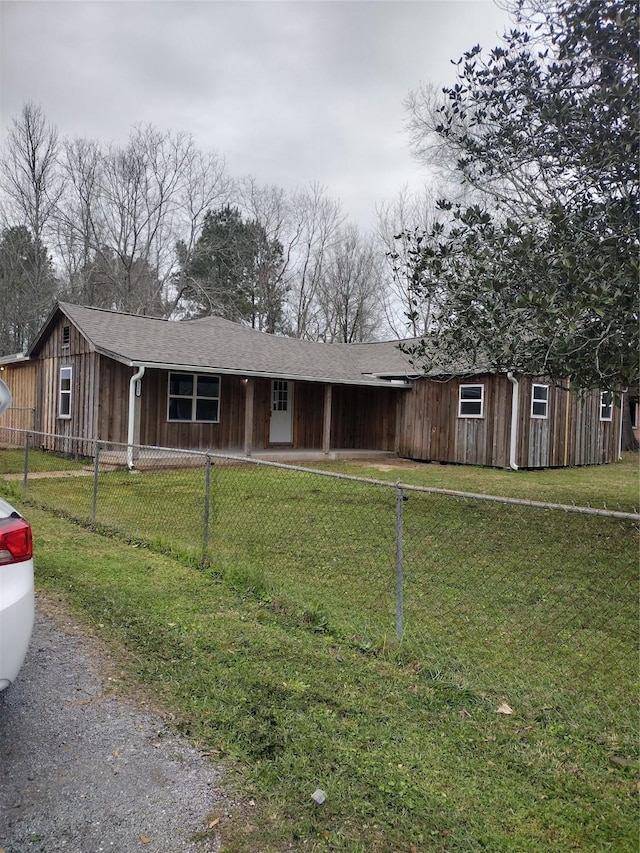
column 281, row 423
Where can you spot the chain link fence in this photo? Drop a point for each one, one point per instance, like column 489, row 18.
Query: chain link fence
column 530, row 606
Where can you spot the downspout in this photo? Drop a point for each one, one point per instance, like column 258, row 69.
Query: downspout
column 131, row 428
column 515, row 398
column 566, row 425
column 622, row 393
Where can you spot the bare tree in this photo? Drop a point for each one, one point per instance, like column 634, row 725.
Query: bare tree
column 317, row 223
column 130, row 213
column 271, row 212
column 77, row 219
column 399, row 224
column 31, row 187
column 349, row 297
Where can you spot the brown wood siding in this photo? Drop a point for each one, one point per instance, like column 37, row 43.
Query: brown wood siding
column 158, row 431
column 308, row 408
column 113, row 400
column 77, row 354
column 571, row 434
column 21, row 381
column 430, row 428
column 364, row 418
column 361, row 418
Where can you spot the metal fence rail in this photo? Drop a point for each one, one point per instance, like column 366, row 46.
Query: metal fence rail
column 524, row 602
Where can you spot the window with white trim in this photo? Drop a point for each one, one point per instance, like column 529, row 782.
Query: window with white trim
column 471, row 401
column 539, row 401
column 194, row 397
column 606, row 406
column 64, row 392
column 280, row 401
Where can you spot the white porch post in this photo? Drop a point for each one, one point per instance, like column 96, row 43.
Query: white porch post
column 326, row 426
column 248, row 416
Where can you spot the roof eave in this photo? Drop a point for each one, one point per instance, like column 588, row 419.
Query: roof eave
column 16, row 358
column 261, row 374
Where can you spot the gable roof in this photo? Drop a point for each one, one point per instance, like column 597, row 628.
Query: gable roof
column 212, row 344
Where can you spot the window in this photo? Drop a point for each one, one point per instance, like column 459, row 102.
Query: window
column 64, row 393
column 606, row 406
column 66, row 337
column 194, row 397
column 471, row 401
column 539, row 401
column 280, row 396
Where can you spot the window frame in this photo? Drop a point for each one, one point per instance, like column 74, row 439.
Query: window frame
column 280, row 395
column 194, row 397
column 606, row 406
column 534, row 400
column 461, row 400
column 65, row 393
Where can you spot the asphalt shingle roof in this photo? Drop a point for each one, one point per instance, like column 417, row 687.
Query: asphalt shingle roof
column 221, row 345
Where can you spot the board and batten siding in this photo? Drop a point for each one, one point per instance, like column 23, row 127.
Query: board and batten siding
column 85, row 382
column 362, row 418
column 157, row 430
column 20, row 378
column 572, row 434
column 431, row 430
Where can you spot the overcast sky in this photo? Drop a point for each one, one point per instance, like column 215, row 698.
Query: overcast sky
column 289, row 92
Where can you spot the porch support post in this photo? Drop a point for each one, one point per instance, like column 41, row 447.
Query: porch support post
column 248, row 416
column 515, row 413
column 326, row 426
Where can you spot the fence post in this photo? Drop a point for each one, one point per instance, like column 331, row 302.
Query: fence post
column 96, row 471
column 207, row 503
column 399, row 564
column 25, row 474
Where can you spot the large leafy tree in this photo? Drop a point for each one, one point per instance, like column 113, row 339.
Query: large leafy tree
column 540, row 275
column 232, row 271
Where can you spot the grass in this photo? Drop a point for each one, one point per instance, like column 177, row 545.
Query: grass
column 406, row 758
column 614, row 486
column 279, row 653
column 12, row 461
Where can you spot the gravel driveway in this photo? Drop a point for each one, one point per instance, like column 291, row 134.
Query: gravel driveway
column 82, row 771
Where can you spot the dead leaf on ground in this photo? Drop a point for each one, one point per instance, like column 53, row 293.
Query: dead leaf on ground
column 145, row 839
column 503, row 708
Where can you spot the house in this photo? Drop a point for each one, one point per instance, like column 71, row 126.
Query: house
column 216, row 385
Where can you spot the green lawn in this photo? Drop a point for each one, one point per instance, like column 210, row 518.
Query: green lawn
column 615, row 486
column 12, row 461
column 279, row 650
column 406, row 757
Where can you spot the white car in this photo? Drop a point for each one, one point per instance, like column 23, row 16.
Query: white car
column 17, row 604
column 16, row 592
